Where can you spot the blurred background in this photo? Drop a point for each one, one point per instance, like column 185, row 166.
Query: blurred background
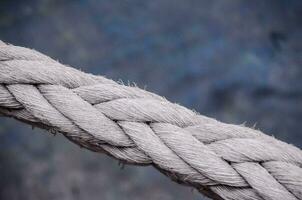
column 236, row 61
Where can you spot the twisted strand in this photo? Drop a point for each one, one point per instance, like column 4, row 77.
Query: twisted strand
column 222, row 161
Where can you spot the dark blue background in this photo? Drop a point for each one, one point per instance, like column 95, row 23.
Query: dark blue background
column 237, row 61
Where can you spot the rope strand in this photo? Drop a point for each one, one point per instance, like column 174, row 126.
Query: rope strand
column 222, row 161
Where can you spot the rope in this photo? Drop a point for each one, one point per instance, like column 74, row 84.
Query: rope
column 223, row 161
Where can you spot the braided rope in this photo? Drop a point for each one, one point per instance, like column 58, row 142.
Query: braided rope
column 223, row 161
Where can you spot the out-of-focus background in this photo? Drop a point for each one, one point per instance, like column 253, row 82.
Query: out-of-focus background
column 237, row 61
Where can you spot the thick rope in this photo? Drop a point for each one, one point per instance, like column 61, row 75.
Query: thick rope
column 223, row 161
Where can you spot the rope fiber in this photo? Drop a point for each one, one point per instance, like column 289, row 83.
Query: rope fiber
column 222, row 161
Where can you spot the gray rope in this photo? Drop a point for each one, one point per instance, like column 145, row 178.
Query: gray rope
column 223, row 161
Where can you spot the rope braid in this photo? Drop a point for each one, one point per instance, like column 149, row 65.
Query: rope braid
column 223, row 161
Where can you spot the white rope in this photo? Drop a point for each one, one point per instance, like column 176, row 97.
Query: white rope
column 223, row 161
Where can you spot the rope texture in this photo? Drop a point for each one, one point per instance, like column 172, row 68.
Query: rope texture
column 222, row 161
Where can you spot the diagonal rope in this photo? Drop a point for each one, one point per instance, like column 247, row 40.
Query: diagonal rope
column 223, row 161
